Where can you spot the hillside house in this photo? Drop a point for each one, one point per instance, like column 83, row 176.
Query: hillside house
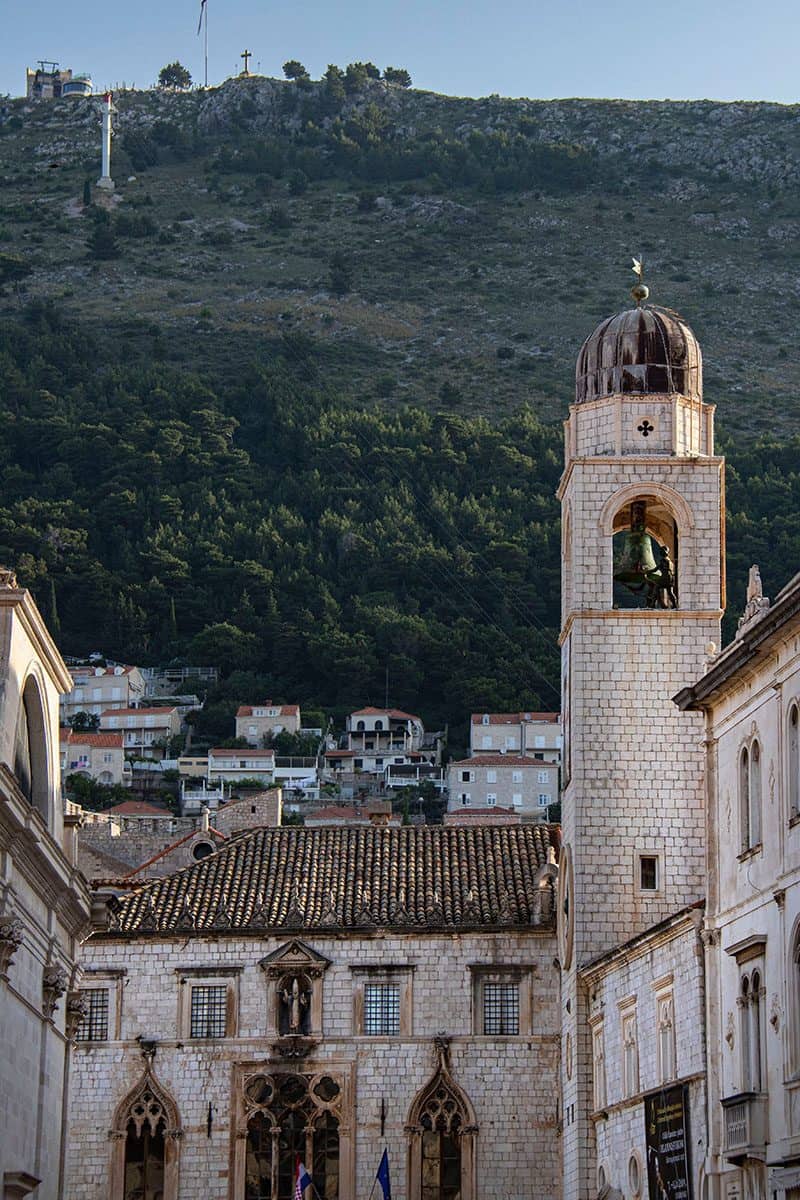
column 232, row 766
column 255, row 722
column 100, row 689
column 146, row 731
column 99, row 756
column 533, row 734
column 510, row 781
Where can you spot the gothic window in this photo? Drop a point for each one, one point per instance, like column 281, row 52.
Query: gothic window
column 751, row 1026
column 146, row 1143
column 755, row 793
column 442, row 1133
column 793, row 760
column 666, row 1038
column 291, row 1116
column 630, row 1054
column 598, row 1066
column 744, row 798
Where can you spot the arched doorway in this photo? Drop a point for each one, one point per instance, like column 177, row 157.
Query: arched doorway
column 145, row 1144
column 442, row 1131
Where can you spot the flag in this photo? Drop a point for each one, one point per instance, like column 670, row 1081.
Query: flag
column 302, row 1181
column 202, row 12
column 383, row 1176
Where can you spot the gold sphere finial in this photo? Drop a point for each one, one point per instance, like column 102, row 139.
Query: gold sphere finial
column 640, row 291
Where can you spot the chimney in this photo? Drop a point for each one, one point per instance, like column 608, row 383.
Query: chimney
column 204, row 818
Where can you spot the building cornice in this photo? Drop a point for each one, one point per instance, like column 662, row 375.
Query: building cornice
column 639, row 614
column 644, row 460
column 754, row 643
column 22, row 603
column 666, row 931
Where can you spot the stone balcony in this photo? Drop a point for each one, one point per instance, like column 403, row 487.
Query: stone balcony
column 746, row 1133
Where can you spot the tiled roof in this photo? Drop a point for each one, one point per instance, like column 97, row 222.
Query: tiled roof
column 76, row 737
column 503, row 760
column 332, row 877
column 138, row 808
column 398, row 713
column 514, row 718
column 284, row 710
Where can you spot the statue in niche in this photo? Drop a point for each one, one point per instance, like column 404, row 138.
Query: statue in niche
column 295, row 999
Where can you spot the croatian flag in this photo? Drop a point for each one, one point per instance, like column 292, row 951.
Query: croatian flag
column 383, row 1176
column 302, row 1181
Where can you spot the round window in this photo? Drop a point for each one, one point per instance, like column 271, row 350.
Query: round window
column 634, row 1175
column 202, row 850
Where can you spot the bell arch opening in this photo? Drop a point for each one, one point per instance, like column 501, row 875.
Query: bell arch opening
column 645, row 554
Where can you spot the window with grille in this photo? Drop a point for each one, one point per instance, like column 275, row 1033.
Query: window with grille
column 94, row 1025
column 501, row 1008
column 381, row 1008
column 209, row 1005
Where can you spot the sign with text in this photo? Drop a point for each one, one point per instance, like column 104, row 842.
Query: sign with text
column 666, row 1120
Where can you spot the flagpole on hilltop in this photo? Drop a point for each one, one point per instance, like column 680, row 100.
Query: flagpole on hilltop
column 204, row 24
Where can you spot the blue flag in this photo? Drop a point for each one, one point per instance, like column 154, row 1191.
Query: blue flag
column 383, row 1176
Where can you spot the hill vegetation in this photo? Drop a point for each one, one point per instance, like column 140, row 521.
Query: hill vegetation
column 290, row 402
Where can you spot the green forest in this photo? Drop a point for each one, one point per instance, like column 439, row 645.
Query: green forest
column 304, row 543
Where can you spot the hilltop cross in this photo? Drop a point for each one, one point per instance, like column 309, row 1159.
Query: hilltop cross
column 247, row 55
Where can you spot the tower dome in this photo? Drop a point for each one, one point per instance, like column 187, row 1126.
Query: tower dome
column 645, row 350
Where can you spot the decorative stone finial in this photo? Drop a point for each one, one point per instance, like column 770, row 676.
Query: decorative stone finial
column 12, row 933
column 757, row 603
column 8, row 578
column 640, row 291
column 54, row 984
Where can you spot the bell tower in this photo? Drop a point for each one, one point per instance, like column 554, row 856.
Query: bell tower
column 642, row 597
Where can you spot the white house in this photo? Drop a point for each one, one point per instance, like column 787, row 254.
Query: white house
column 99, row 755
column 254, row 722
column 145, row 731
column 232, row 766
column 97, row 690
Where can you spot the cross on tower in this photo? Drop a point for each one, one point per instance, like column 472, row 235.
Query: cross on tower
column 247, row 55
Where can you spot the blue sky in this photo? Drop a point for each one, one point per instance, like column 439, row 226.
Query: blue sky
column 721, row 49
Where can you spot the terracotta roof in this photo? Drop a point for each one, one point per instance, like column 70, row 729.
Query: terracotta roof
column 434, row 877
column 136, row 712
column 284, row 710
column 398, row 713
column 240, row 752
column 515, row 718
column 503, row 760
column 187, row 837
column 77, row 737
column 138, row 808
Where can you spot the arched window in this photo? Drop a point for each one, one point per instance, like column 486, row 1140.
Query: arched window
column 146, row 1143
column 378, row 726
column 360, row 726
column 30, row 749
column 442, row 1131
column 744, row 799
column 755, row 793
column 645, row 555
column 793, row 760
column 291, row 1116
column 751, row 1017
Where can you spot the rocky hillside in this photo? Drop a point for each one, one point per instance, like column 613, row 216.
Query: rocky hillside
column 446, row 252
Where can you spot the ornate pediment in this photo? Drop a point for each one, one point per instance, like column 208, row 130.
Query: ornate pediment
column 294, row 957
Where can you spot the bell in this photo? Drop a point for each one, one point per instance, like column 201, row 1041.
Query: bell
column 636, row 562
column 636, row 559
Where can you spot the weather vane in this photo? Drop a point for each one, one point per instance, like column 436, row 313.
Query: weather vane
column 640, row 291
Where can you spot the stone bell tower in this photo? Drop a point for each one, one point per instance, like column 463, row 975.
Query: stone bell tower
column 642, row 594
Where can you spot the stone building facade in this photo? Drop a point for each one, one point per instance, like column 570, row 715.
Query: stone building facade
column 44, row 905
column 750, row 697
column 326, row 993
column 641, row 489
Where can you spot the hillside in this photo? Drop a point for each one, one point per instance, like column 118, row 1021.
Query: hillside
column 482, row 240
column 305, row 423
